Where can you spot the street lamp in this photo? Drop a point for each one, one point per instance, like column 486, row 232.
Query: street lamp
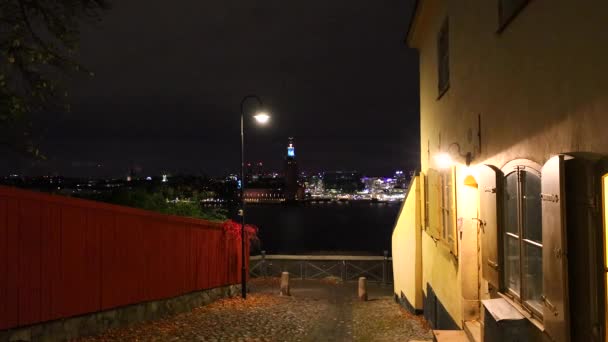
column 262, row 118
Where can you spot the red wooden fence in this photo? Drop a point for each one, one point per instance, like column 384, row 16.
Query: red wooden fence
column 62, row 257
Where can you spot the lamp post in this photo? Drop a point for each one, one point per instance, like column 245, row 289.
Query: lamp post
column 262, row 118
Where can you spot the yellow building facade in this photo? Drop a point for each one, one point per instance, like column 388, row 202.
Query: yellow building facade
column 511, row 195
column 407, row 257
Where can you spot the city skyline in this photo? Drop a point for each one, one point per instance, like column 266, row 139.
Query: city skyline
column 98, row 169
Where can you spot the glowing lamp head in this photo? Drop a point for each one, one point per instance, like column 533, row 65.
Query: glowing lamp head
column 444, row 160
column 262, row 117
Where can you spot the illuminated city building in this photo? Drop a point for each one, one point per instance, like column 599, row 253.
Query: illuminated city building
column 292, row 189
column 342, row 181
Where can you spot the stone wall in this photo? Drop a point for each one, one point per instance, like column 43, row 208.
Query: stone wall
column 98, row 322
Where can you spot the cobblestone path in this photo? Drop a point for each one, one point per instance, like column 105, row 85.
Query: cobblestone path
column 316, row 311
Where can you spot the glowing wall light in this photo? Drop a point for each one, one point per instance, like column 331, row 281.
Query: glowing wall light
column 444, row 160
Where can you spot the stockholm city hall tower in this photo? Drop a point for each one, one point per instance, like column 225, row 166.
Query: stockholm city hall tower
column 291, row 173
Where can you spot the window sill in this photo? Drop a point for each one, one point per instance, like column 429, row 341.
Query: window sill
column 441, row 243
column 428, row 232
column 533, row 319
column 446, row 246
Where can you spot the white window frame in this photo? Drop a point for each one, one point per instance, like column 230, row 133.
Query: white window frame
column 519, row 165
column 447, row 209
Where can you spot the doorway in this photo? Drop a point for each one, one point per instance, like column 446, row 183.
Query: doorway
column 468, row 236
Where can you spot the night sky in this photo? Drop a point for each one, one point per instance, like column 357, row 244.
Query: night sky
column 336, row 75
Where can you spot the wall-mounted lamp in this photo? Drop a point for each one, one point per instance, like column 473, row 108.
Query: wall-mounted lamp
column 444, row 159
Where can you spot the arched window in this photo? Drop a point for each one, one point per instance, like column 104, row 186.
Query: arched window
column 522, row 235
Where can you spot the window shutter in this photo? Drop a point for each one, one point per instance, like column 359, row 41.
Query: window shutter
column 490, row 190
column 453, row 213
column 555, row 286
column 434, row 198
column 423, row 198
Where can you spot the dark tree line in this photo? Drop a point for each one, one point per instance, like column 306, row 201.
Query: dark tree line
column 38, row 45
column 165, row 200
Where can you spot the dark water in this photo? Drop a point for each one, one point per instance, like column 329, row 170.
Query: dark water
column 324, row 227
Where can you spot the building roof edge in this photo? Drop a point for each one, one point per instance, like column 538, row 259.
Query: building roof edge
column 410, row 27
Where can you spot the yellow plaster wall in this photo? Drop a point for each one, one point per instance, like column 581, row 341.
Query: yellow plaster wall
column 538, row 86
column 406, row 248
column 440, row 270
column 455, row 279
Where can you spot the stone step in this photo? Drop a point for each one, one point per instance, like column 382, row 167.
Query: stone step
column 450, row 336
column 473, row 330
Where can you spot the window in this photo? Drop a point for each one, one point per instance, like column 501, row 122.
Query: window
column 425, row 197
column 507, row 10
column 522, row 238
column 443, row 59
column 433, row 201
column 440, row 208
column 447, row 208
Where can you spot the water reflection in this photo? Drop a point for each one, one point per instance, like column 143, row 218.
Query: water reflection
column 348, row 227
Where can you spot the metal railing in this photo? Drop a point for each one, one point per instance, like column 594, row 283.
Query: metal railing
column 345, row 267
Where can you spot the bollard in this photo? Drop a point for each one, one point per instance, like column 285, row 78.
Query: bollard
column 363, row 288
column 285, row 284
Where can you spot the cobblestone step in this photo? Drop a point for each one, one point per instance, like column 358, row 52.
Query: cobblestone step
column 321, row 310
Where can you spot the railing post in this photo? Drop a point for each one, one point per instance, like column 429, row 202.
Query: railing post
column 385, row 269
column 264, row 267
column 302, row 274
column 344, row 271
